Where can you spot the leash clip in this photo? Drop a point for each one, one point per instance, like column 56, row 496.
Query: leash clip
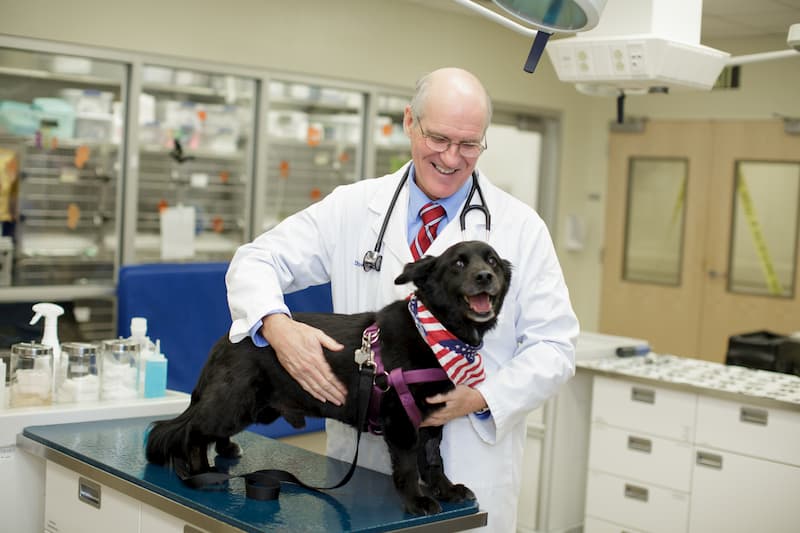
column 365, row 356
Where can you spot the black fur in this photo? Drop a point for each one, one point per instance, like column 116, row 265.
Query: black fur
column 241, row 384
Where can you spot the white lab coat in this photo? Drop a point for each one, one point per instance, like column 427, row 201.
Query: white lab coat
column 527, row 356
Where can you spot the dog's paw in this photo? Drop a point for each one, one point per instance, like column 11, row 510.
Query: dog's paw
column 423, row 505
column 456, row 493
column 229, row 449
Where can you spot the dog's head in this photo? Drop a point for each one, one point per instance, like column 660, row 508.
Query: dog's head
column 464, row 287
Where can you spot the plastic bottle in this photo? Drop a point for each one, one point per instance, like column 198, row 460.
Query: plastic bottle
column 51, row 312
column 155, row 374
column 146, row 348
column 3, row 394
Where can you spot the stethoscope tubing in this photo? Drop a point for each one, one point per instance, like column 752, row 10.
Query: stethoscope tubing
column 373, row 258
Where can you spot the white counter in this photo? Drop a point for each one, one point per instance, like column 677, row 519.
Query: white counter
column 23, row 475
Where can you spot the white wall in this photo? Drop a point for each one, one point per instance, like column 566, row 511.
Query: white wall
column 391, row 42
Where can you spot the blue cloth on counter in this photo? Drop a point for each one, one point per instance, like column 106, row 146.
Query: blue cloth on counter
column 186, row 307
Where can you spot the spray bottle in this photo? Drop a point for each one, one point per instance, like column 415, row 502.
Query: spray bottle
column 51, row 312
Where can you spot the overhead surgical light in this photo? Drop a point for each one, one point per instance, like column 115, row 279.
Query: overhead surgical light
column 539, row 18
column 636, row 47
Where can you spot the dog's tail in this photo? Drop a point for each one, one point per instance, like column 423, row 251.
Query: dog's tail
column 169, row 438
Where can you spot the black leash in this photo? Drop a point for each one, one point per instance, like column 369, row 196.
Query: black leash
column 266, row 484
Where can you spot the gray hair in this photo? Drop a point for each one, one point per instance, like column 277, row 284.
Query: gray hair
column 420, row 98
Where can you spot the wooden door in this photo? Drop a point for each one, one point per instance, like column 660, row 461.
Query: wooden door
column 751, row 247
column 665, row 312
column 701, row 234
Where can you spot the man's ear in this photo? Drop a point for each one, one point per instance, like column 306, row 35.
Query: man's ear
column 418, row 271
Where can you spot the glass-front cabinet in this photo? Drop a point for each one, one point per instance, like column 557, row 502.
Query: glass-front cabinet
column 196, row 134
column 392, row 146
column 60, row 134
column 314, row 138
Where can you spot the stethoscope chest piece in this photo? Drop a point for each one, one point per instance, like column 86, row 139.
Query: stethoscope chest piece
column 372, row 261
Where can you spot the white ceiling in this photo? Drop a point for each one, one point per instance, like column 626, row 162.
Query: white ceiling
column 748, row 18
column 722, row 19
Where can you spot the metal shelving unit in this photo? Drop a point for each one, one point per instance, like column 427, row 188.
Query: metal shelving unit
column 314, row 144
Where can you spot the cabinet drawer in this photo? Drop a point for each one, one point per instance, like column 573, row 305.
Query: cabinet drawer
column 636, row 505
column 771, row 433
column 594, row 525
column 738, row 494
column 641, row 457
column 75, row 503
column 654, row 410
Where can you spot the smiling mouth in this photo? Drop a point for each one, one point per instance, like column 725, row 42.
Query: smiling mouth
column 443, row 170
column 480, row 306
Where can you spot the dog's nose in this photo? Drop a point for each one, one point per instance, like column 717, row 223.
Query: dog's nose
column 484, row 276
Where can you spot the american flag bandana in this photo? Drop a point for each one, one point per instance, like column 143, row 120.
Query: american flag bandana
column 461, row 361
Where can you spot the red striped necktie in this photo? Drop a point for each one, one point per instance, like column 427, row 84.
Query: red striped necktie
column 431, row 214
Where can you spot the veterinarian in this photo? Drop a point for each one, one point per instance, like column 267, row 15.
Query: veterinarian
column 526, row 357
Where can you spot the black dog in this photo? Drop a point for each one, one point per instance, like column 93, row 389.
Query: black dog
column 241, row 384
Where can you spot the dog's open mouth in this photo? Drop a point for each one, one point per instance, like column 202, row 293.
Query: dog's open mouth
column 480, row 306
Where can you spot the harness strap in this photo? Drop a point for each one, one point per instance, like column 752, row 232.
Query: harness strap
column 266, row 484
column 400, row 381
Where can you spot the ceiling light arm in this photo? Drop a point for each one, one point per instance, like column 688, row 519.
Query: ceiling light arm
column 762, row 56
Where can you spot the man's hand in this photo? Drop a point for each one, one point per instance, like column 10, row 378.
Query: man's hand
column 458, row 402
column 298, row 347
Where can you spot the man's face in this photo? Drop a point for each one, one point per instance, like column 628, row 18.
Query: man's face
column 441, row 174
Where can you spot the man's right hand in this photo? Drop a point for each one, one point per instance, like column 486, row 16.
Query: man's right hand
column 299, row 347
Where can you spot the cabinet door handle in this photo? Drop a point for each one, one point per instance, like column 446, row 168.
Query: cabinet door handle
column 711, row 460
column 89, row 492
column 639, row 444
column 753, row 416
column 639, row 394
column 636, row 493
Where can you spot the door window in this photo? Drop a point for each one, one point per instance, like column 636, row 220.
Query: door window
column 654, row 220
column 764, row 228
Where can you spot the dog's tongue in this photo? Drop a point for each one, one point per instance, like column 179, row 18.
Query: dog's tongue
column 480, row 303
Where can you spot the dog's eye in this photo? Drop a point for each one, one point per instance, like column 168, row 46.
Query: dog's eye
column 459, row 263
column 492, row 261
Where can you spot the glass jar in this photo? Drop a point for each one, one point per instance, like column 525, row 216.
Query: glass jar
column 82, row 381
column 119, row 369
column 31, row 374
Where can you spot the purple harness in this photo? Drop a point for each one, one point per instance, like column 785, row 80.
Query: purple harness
column 399, row 379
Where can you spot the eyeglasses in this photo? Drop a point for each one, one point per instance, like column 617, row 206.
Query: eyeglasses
column 437, row 143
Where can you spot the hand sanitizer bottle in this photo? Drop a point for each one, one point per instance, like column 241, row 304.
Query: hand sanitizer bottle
column 155, row 374
column 146, row 347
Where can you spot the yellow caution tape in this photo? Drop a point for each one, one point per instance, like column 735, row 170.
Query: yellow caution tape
column 773, row 284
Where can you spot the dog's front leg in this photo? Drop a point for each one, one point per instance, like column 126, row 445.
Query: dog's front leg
column 405, row 475
column 431, row 468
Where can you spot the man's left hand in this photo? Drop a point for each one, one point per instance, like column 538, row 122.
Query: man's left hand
column 458, row 402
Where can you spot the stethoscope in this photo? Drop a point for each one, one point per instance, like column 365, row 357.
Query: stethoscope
column 373, row 258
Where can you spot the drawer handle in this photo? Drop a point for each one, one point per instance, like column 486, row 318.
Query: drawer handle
column 89, row 492
column 753, row 416
column 639, row 394
column 636, row 493
column 639, row 444
column 711, row 460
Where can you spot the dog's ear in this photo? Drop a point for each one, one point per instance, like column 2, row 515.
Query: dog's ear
column 417, row 271
column 507, row 269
